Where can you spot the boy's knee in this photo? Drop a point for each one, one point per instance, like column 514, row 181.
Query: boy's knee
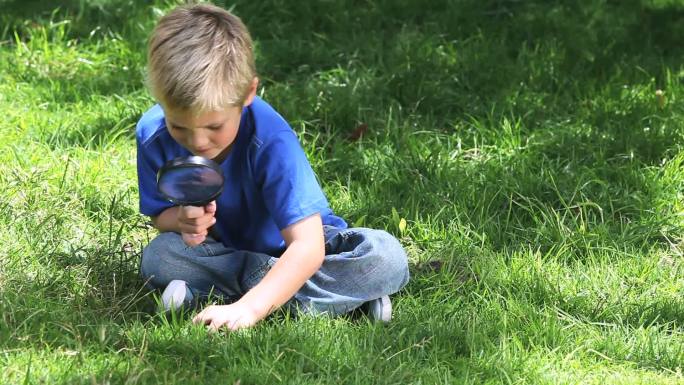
column 156, row 256
column 393, row 260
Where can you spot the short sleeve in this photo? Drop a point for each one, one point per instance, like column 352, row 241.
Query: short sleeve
column 151, row 202
column 288, row 184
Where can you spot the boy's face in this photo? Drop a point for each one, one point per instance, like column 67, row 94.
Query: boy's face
column 208, row 134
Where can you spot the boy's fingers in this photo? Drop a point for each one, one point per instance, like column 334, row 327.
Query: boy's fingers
column 199, row 317
column 214, row 326
column 191, row 212
column 196, row 225
column 193, row 233
column 234, row 324
column 193, row 239
column 206, row 317
column 211, row 207
column 201, row 229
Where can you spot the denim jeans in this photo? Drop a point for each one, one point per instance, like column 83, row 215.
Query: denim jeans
column 360, row 265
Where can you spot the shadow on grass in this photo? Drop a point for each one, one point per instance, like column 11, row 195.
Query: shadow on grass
column 445, row 60
column 440, row 59
column 87, row 17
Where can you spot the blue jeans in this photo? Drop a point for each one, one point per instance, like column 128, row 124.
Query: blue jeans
column 360, row 265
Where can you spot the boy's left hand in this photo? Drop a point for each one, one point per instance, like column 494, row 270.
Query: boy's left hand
column 234, row 316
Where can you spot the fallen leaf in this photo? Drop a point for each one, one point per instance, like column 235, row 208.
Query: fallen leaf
column 358, row 132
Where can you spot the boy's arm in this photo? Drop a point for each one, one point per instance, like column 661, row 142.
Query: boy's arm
column 302, row 258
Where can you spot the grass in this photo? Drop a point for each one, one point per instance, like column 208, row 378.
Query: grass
column 517, row 149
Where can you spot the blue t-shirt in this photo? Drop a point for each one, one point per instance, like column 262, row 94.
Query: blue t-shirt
column 269, row 181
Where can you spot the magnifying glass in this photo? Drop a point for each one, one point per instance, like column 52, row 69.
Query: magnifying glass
column 190, row 181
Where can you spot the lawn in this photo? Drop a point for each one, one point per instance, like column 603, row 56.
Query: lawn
column 528, row 155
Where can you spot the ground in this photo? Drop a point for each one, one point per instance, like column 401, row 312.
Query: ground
column 528, row 155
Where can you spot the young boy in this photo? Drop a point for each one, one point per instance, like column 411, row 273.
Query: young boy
column 270, row 239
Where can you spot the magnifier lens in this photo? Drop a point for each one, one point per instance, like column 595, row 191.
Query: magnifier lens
column 190, row 183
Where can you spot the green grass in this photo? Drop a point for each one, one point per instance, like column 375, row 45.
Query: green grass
column 522, row 142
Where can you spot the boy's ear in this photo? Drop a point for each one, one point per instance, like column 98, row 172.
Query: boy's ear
column 252, row 92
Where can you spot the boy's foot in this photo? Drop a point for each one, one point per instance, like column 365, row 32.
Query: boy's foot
column 176, row 295
column 380, row 309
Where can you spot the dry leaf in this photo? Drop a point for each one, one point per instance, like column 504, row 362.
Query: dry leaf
column 358, row 132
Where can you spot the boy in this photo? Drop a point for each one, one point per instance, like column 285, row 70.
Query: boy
column 270, row 239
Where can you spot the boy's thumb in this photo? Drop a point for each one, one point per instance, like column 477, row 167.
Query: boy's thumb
column 211, row 207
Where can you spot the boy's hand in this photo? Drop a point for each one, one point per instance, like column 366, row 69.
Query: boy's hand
column 235, row 316
column 194, row 222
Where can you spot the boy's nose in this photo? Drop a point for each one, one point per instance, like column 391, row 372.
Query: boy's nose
column 197, row 141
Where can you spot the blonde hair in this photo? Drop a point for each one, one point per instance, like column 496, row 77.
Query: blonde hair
column 200, row 58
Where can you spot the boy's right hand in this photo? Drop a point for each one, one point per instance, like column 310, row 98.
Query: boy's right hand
column 194, row 222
